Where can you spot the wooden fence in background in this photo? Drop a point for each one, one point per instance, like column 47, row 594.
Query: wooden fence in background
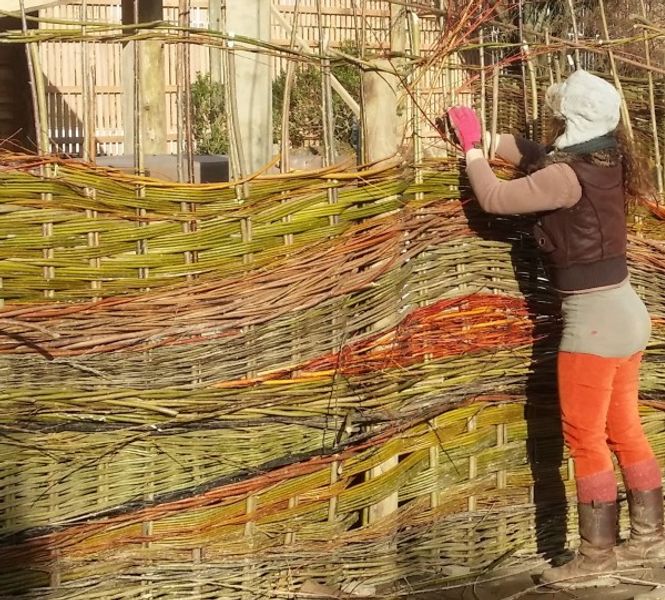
column 61, row 61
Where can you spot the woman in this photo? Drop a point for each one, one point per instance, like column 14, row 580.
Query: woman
column 580, row 189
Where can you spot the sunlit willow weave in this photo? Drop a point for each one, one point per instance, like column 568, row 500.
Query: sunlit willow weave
column 347, row 377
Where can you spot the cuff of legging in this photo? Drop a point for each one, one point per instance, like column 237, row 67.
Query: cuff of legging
column 642, row 476
column 599, row 487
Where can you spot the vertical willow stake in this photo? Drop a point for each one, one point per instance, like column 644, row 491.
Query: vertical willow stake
column 414, row 34
column 652, row 107
column 139, row 167
column 232, row 113
column 285, row 141
column 184, row 96
column 183, row 107
column 187, row 105
column 360, row 43
column 88, row 150
column 527, row 118
column 483, row 90
column 37, row 89
column 33, row 79
column 327, row 107
column 328, row 153
column 550, row 71
column 495, row 110
column 238, row 159
column 179, row 107
column 138, row 121
column 533, row 86
column 231, row 107
column 147, row 527
column 40, row 112
column 615, row 73
column 576, row 33
column 285, row 138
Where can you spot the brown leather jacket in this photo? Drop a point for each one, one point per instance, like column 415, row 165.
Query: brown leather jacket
column 584, row 246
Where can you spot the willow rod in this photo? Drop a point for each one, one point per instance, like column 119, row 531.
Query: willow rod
column 183, row 107
column 304, row 48
column 180, row 93
column 361, row 40
column 138, row 121
column 88, row 150
column 652, row 108
column 615, row 73
column 414, row 40
column 139, row 166
column 285, row 141
column 523, row 58
column 189, row 137
column 550, row 71
column 40, row 111
column 576, row 32
column 328, row 117
column 495, row 110
column 533, row 87
column 236, row 144
column 483, row 88
column 36, row 88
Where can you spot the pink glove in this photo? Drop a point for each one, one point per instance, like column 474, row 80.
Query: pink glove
column 466, row 124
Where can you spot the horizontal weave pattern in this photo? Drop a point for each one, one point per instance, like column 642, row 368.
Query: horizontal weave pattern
column 210, row 398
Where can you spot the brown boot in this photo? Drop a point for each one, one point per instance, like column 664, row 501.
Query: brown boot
column 646, row 544
column 595, row 559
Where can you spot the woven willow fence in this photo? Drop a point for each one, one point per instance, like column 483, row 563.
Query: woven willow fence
column 227, row 410
column 345, row 377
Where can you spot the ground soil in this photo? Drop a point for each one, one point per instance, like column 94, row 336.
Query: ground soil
column 523, row 586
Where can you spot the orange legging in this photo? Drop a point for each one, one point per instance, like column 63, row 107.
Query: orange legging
column 598, row 397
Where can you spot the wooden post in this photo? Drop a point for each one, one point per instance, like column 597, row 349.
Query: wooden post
column 385, row 116
column 152, row 103
column 398, row 39
column 215, row 24
column 253, row 80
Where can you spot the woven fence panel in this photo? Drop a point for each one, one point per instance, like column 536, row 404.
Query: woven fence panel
column 207, row 398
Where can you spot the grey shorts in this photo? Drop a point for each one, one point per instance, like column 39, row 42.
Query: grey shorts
column 613, row 323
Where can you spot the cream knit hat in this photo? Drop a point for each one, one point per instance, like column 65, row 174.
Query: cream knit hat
column 589, row 105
